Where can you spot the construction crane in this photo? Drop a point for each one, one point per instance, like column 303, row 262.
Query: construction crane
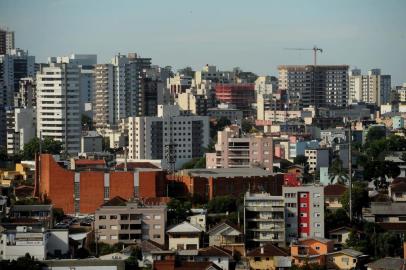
column 314, row 49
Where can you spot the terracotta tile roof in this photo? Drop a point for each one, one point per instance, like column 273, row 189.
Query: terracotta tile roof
column 24, row 191
column 85, row 162
column 215, row 251
column 116, row 201
column 269, row 250
column 398, row 187
column 334, row 190
column 196, row 266
column 137, row 165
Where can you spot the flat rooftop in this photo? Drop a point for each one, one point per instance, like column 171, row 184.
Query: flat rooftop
column 226, row 172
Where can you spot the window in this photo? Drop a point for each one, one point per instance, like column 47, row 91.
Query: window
column 102, row 217
column 113, row 227
column 303, row 214
column 113, row 217
column 157, row 226
column 103, row 237
column 257, row 259
column 303, row 225
column 317, row 248
column 157, row 217
column 317, row 225
column 113, row 237
column 102, row 227
column 157, row 236
column 316, row 195
column 303, row 205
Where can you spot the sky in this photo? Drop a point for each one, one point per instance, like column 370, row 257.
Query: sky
column 252, row 35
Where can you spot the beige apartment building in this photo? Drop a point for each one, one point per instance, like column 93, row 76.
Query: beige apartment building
column 236, row 151
column 130, row 222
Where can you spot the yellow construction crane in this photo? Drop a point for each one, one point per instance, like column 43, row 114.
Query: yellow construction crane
column 314, row 49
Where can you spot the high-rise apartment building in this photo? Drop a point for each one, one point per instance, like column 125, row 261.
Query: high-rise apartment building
column 58, row 112
column 118, row 90
column 240, row 95
column 304, row 214
column 319, row 86
column 21, row 124
column 174, row 136
column 6, row 41
column 372, row 88
column 264, row 219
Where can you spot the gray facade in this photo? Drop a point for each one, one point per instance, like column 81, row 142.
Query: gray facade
column 130, row 223
column 304, row 216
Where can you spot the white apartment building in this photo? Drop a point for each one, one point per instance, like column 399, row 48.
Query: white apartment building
column 172, row 135
column 58, row 112
column 304, row 211
column 264, row 219
column 210, row 73
column 371, row 88
column 15, row 243
column 21, row 123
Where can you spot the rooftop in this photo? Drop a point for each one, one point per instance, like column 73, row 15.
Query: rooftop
column 84, row 162
column 334, row 190
column 226, row 172
column 215, row 251
column 184, row 227
column 349, row 252
column 268, row 251
column 388, row 208
column 32, row 207
column 388, row 264
column 137, row 165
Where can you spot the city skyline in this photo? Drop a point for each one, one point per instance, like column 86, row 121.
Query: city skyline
column 363, row 34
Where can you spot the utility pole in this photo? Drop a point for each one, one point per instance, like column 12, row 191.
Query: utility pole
column 350, row 168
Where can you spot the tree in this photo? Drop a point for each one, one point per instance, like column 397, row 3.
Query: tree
column 375, row 133
column 23, row 263
column 178, row 210
column 188, row 71
column 359, row 196
column 218, row 125
column 87, row 123
column 49, row 146
column 58, row 214
column 337, row 172
column 196, row 163
column 336, row 219
column 300, row 160
column 246, row 126
column 222, row 204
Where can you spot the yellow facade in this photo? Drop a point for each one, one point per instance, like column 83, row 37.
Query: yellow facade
column 262, row 263
column 341, row 261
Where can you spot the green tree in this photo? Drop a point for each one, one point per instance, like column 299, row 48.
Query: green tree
column 359, row 196
column 23, row 263
column 338, row 172
column 196, row 163
column 222, row 204
column 87, row 123
column 246, row 126
column 178, row 210
column 300, row 160
column 58, row 214
column 375, row 133
column 336, row 219
column 49, row 146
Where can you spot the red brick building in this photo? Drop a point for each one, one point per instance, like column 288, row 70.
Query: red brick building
column 241, row 95
column 209, row 183
column 84, row 191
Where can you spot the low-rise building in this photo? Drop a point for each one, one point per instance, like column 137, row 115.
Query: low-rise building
column 227, row 236
column 38, row 241
column 225, row 110
column 346, row 259
column 333, row 195
column 91, row 142
column 397, row 190
column 264, row 219
column 269, row 257
column 217, row 255
column 121, row 221
column 341, row 235
column 311, row 250
column 317, row 158
column 184, row 236
column 36, row 213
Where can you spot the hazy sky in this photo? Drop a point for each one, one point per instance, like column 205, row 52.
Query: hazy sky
column 249, row 34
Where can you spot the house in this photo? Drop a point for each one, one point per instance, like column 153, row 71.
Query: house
column 340, row 235
column 387, row 264
column 227, row 236
column 311, row 250
column 35, row 213
column 269, row 256
column 346, row 259
column 332, row 196
column 86, row 264
column 217, row 255
column 397, row 190
column 184, row 236
column 152, row 251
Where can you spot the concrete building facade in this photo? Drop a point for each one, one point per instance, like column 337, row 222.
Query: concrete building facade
column 304, row 216
column 318, row 86
column 127, row 222
column 264, row 219
column 173, row 136
column 58, row 112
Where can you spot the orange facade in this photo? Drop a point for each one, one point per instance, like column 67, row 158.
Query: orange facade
column 308, row 251
column 58, row 184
